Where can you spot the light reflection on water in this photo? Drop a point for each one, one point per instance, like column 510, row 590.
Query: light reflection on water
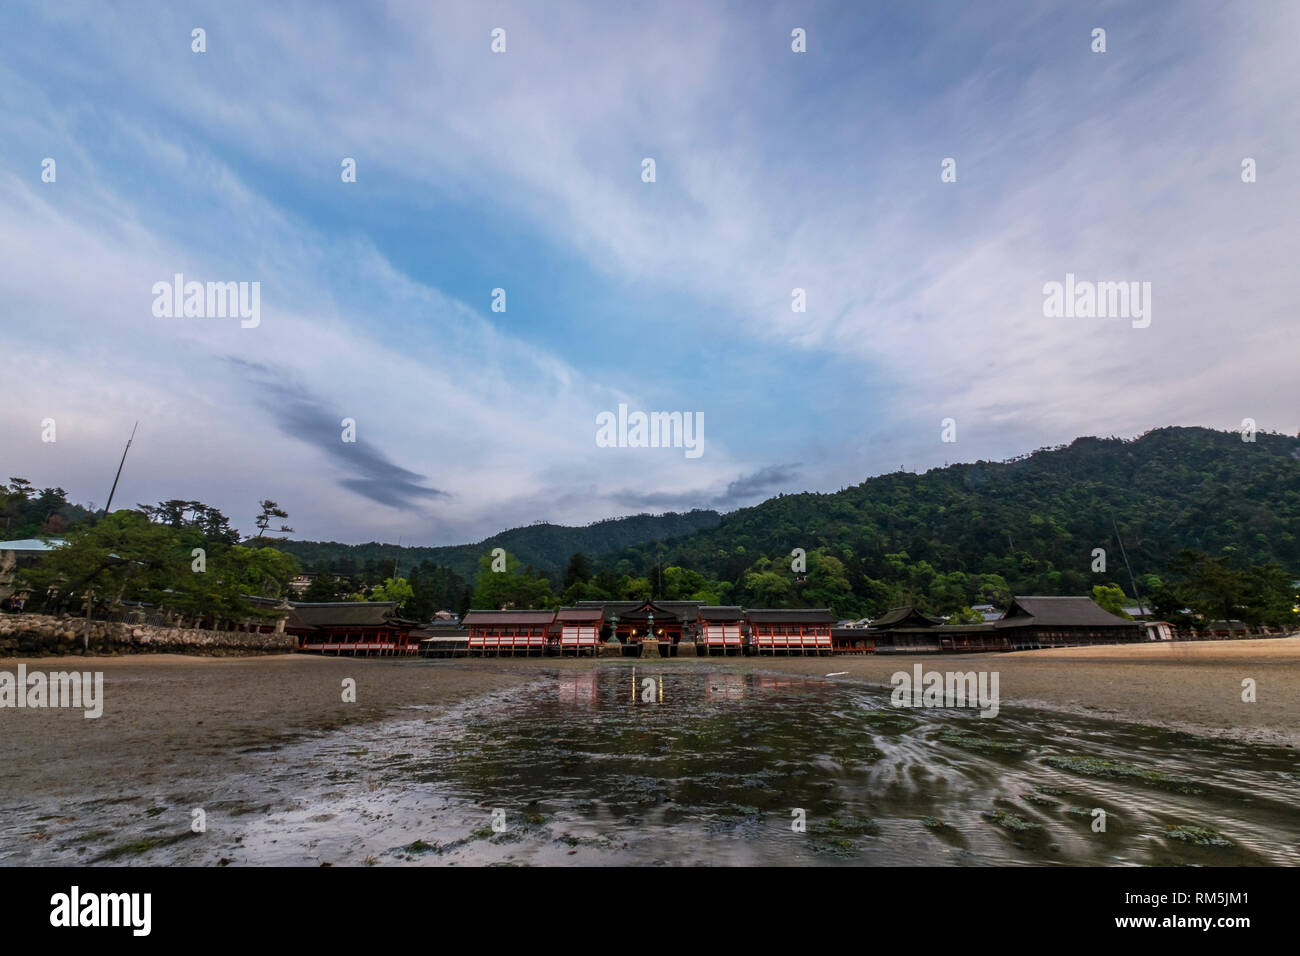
column 676, row 763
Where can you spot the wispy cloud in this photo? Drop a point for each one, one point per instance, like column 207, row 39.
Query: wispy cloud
column 304, row 417
column 776, row 171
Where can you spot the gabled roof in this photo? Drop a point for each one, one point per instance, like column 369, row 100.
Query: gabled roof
column 812, row 615
column 508, row 617
column 346, row 614
column 663, row 610
column 721, row 612
column 1059, row 612
column 681, row 610
column 580, row 615
column 905, row 616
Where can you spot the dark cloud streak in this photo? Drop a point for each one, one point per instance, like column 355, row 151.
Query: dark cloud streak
column 301, row 415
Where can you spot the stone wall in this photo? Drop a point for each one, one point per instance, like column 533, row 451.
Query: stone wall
column 40, row 635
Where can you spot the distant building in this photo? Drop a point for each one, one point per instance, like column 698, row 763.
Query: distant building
column 14, row 557
column 1158, row 630
column 1033, row 622
column 351, row 627
column 301, row 581
column 1030, row 622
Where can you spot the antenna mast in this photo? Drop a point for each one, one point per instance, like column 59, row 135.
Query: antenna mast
column 1132, row 580
column 108, row 506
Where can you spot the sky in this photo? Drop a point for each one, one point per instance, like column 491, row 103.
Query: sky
column 522, row 170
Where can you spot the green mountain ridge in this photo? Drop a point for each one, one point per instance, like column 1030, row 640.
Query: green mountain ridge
column 940, row 539
column 1032, row 523
column 543, row 546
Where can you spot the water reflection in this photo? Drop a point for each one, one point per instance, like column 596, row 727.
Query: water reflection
column 676, row 764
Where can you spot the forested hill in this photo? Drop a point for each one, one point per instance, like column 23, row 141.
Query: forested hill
column 1033, row 521
column 546, row 547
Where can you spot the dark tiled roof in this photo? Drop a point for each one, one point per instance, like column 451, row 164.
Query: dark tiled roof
column 1059, row 612
column 682, row 610
column 346, row 614
column 905, row 616
column 853, row 633
column 819, row 615
column 721, row 612
column 440, row 634
column 508, row 617
column 575, row 615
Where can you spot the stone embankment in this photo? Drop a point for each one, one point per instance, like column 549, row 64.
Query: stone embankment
column 41, row 635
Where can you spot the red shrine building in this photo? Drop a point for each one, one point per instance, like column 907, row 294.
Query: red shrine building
column 622, row 627
column 351, row 627
column 627, row 624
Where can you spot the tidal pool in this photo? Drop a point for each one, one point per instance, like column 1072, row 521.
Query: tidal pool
column 692, row 763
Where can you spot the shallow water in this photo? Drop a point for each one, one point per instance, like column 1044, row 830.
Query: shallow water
column 682, row 763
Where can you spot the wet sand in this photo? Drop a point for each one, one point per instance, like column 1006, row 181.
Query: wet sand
column 167, row 715
column 1193, row 686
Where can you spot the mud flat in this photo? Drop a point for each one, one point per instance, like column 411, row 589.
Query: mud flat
column 556, row 762
column 169, row 715
column 1192, row 686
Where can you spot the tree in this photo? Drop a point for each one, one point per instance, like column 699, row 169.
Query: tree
column 578, row 571
column 397, row 590
column 270, row 510
column 323, row 588
column 208, row 521
column 769, row 588
column 515, row 587
column 966, row 615
column 125, row 556
column 1111, row 597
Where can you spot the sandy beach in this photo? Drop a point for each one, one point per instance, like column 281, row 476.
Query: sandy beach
column 166, row 713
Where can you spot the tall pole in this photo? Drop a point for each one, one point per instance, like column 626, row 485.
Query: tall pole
column 108, row 507
column 1132, row 580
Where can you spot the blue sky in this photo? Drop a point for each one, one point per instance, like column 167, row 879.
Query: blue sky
column 521, row 170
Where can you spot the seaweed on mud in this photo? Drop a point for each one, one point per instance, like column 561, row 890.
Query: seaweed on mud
column 1196, row 836
column 1047, row 791
column 979, row 744
column 934, row 823
column 852, row 826
column 843, row 847
column 419, row 846
column 1039, row 800
column 842, row 837
column 1010, row 821
column 1097, row 767
column 888, row 720
column 141, row 846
